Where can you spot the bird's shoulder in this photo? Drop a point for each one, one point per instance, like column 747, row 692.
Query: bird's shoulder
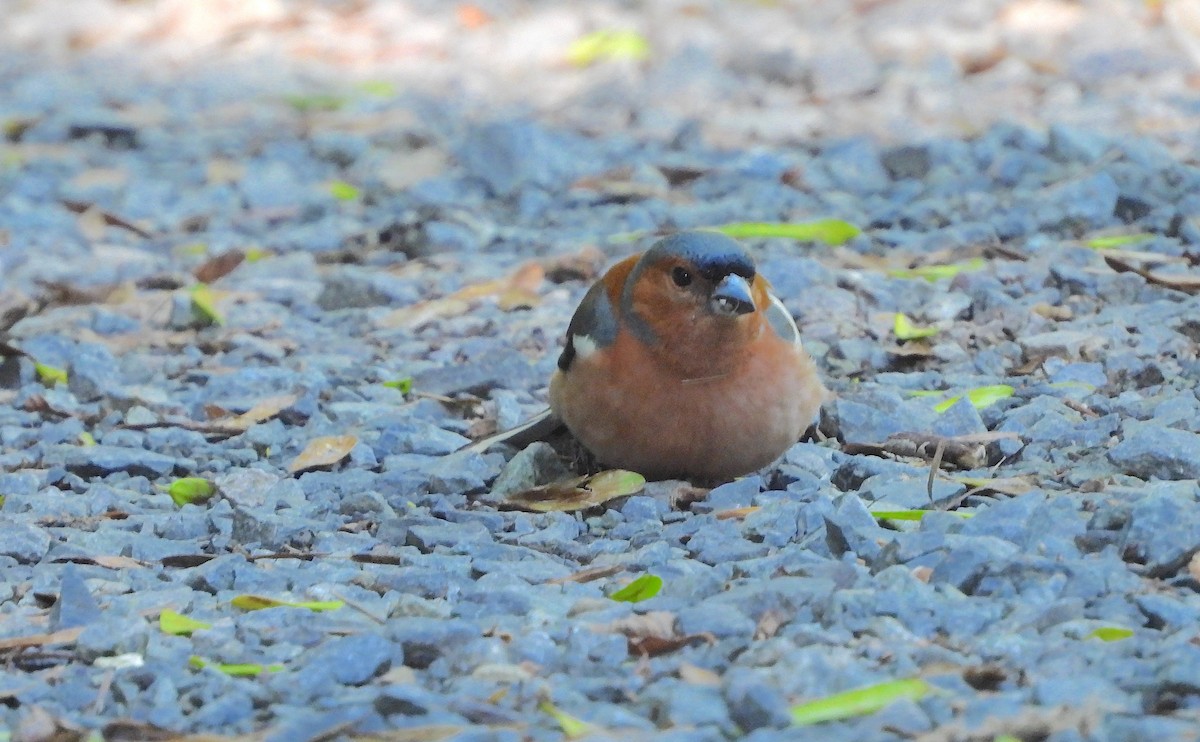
column 597, row 321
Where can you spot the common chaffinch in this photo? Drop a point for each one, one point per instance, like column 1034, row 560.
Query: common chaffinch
column 680, row 362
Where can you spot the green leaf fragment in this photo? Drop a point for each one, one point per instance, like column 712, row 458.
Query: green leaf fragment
column 49, row 375
column 258, row 602
column 404, row 385
column 643, row 588
column 1110, row 634
column 933, row 273
column 204, row 306
column 829, row 231
column 979, row 397
column 343, row 191
column 316, row 102
column 986, row 396
column 86, row 439
column 571, row 727
column 237, row 670
column 379, row 88
column 255, row 254
column 177, row 624
column 858, row 702
column 912, row 514
column 608, row 44
column 904, row 329
column 190, row 490
column 1120, row 240
column 194, row 250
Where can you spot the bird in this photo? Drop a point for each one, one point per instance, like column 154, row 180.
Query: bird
column 680, row 363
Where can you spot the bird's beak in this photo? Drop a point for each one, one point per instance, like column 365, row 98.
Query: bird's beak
column 732, row 297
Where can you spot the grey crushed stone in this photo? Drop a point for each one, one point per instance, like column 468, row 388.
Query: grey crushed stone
column 457, row 612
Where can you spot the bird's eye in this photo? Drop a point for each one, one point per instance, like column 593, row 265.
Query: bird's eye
column 681, row 276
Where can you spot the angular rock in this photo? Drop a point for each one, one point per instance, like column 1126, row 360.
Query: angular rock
column 1152, row 452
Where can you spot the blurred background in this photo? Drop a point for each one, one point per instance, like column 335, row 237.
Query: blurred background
column 742, row 71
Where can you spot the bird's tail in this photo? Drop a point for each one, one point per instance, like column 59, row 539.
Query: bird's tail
column 537, row 428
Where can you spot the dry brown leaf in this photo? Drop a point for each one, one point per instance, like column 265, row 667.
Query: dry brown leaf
column 402, row 170
column 1054, row 312
column 264, row 410
column 324, row 451
column 65, row 636
column 736, row 513
column 587, row 575
column 107, row 218
column 107, row 177
column 219, row 171
column 92, row 224
column 620, row 185
column 517, row 291
column 651, row 634
column 769, row 624
column 1187, row 283
column 694, row 675
column 652, row 623
column 424, row 312
column 914, row 349
column 653, row 646
column 129, row 730
column 577, row 493
column 922, row 573
column 185, row 561
column 1011, row 486
column 427, row 733
column 1194, row 566
column 963, row 451
column 111, row 562
column 39, row 725
column 218, row 267
column 583, row 265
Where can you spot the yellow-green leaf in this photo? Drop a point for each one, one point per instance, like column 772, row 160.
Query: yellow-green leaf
column 343, row 191
column 237, row 670
column 609, row 44
column 380, row 88
column 258, row 602
column 933, row 273
column 986, row 396
column 255, row 254
column 572, row 727
column 204, row 305
column 404, row 385
column 911, row 514
column 643, row 588
column 190, row 489
column 86, row 439
column 1120, row 240
column 1006, row 738
column 979, row 397
column 1110, row 634
column 316, row 102
column 829, row 231
column 578, row 493
column 177, row 624
column 858, row 702
column 192, row 250
column 906, row 330
column 49, row 375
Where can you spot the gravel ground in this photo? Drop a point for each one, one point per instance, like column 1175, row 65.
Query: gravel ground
column 404, row 211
